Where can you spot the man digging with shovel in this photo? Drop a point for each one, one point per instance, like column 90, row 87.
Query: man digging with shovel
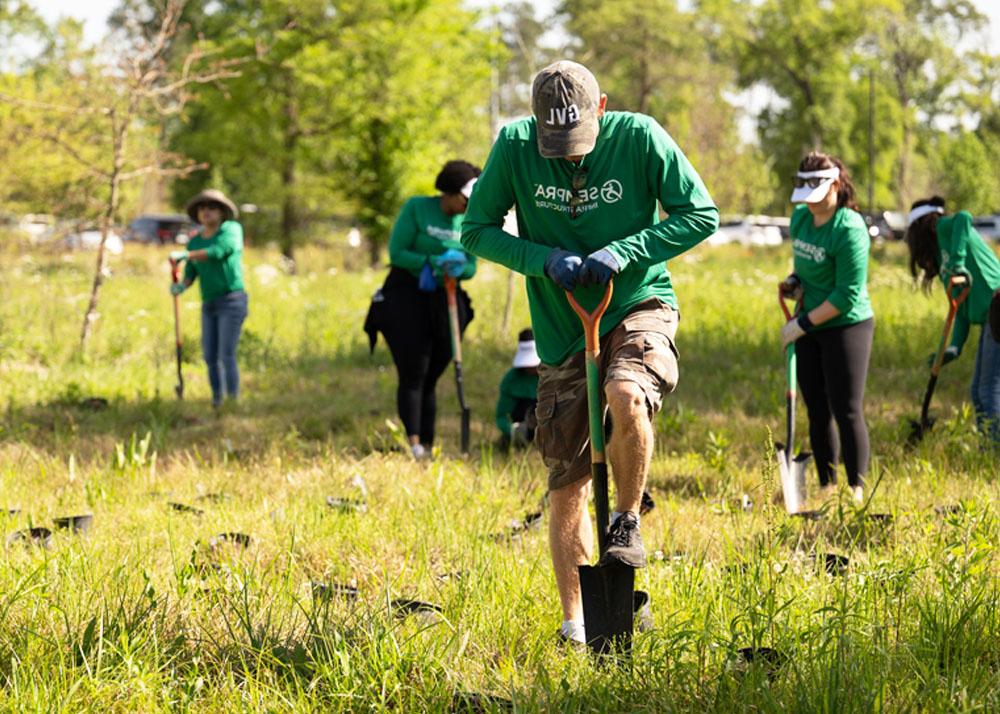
column 586, row 183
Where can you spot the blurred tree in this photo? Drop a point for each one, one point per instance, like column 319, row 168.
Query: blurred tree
column 350, row 106
column 650, row 56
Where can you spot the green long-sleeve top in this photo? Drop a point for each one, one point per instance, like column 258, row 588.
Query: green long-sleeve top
column 516, row 385
column 832, row 263
column 423, row 231
column 634, row 164
column 222, row 271
column 961, row 248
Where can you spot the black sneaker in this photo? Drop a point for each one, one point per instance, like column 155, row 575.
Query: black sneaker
column 570, row 644
column 625, row 543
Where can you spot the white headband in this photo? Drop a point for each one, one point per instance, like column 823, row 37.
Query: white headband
column 921, row 211
column 833, row 172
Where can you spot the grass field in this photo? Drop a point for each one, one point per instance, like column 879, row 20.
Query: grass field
column 143, row 614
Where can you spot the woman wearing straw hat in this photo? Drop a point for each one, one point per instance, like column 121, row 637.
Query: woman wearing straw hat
column 515, row 410
column 215, row 255
column 834, row 327
column 411, row 310
column 949, row 247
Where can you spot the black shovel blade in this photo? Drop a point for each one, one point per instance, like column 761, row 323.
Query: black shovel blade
column 608, row 607
column 918, row 428
column 466, row 429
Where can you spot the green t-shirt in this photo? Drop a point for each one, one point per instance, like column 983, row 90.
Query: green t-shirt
column 223, row 271
column 962, row 248
column 423, row 230
column 517, row 384
column 634, row 164
column 832, row 263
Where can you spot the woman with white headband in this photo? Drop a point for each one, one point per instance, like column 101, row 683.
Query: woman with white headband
column 411, row 309
column 948, row 246
column 833, row 327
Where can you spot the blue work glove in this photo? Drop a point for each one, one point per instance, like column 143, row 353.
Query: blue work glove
column 563, row 267
column 177, row 288
column 950, row 355
column 451, row 262
column 176, row 256
column 427, row 282
column 598, row 268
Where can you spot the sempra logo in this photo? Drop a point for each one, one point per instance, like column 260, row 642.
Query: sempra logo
column 610, row 192
column 816, row 253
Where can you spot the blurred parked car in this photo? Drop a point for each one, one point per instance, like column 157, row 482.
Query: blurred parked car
column 879, row 226
column 988, row 226
column 90, row 238
column 160, row 229
column 37, row 226
column 747, row 230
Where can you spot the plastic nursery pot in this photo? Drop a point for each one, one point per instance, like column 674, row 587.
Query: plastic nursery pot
column 770, row 659
column 949, row 509
column 239, row 540
column 647, row 504
column 346, row 505
column 41, row 537
column 882, row 519
column 183, row 508
column 810, row 515
column 78, row 524
column 835, row 563
column 641, row 612
column 328, row 591
column 426, row 612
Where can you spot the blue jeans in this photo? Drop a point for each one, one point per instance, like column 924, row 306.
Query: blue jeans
column 986, row 386
column 221, row 322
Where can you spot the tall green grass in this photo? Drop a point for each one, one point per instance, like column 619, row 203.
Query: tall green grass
column 142, row 614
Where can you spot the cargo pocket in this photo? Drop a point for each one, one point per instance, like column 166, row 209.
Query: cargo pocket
column 660, row 357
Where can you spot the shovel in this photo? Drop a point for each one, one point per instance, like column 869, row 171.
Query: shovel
column 175, row 275
column 607, row 590
column 451, row 288
column 919, row 428
column 791, row 468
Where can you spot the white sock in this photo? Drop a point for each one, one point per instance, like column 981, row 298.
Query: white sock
column 616, row 514
column 573, row 630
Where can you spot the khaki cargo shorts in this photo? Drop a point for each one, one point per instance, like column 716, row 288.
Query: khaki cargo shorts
column 640, row 349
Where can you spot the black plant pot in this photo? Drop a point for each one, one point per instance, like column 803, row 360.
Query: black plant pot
column 41, row 537
column 183, row 508
column 79, row 524
column 238, row 540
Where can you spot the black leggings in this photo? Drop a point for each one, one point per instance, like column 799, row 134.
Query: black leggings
column 832, row 370
column 415, row 325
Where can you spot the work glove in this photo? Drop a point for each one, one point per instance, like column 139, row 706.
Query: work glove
column 791, row 331
column 950, row 355
column 791, row 287
column 598, row 268
column 960, row 280
column 520, row 434
column 427, row 283
column 451, row 262
column 176, row 256
column 177, row 288
column 563, row 267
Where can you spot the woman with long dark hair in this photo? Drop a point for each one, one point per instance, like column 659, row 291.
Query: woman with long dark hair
column 411, row 310
column 949, row 247
column 834, row 326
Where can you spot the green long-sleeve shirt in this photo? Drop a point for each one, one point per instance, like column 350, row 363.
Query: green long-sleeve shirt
column 422, row 231
column 962, row 248
column 634, row 164
column 516, row 385
column 832, row 263
column 222, row 272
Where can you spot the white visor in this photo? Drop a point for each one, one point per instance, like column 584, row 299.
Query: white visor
column 466, row 190
column 808, row 194
column 526, row 355
column 920, row 211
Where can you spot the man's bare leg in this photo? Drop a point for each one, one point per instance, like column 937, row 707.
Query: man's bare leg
column 631, row 449
column 571, row 540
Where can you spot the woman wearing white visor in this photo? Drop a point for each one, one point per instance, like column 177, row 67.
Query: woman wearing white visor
column 834, row 325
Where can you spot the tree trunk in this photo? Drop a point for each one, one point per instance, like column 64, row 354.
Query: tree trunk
column 107, row 219
column 289, row 219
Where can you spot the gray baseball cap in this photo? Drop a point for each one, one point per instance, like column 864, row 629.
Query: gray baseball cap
column 565, row 99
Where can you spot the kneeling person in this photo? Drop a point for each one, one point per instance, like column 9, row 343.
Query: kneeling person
column 515, row 412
